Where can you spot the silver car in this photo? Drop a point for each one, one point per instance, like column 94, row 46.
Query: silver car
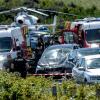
column 87, row 69
column 53, row 59
column 78, row 53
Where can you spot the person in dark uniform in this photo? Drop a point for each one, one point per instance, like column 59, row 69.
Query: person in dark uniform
column 40, row 44
column 20, row 65
column 49, row 42
column 18, row 48
column 39, row 49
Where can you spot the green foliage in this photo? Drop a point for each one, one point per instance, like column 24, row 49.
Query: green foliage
column 13, row 87
column 83, row 8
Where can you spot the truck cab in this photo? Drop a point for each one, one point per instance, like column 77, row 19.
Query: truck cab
column 91, row 34
column 85, row 32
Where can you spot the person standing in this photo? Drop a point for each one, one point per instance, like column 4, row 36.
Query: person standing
column 39, row 49
column 20, row 65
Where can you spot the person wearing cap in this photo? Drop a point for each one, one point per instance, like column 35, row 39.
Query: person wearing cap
column 20, row 65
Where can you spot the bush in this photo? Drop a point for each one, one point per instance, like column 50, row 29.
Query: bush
column 13, row 87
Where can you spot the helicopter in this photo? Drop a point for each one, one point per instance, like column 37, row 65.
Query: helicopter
column 23, row 17
column 54, row 14
column 31, row 21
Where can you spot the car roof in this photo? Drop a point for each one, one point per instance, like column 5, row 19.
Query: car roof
column 85, row 49
column 92, row 56
column 38, row 33
column 61, row 46
column 79, row 50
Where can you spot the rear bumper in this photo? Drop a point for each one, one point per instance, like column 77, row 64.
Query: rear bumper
column 60, row 71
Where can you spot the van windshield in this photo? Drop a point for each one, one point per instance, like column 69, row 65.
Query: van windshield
column 93, row 35
column 5, row 44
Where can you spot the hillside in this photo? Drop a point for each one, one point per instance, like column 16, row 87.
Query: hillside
column 83, row 3
column 82, row 8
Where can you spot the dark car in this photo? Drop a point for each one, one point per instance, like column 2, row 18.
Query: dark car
column 53, row 60
column 35, row 35
column 76, row 54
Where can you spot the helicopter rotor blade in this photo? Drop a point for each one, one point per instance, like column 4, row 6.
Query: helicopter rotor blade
column 36, row 11
column 23, row 9
column 10, row 11
column 4, row 12
column 57, row 12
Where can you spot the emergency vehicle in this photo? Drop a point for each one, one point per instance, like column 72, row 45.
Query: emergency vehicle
column 85, row 32
column 10, row 38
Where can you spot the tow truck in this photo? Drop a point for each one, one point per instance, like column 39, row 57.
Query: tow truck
column 85, row 32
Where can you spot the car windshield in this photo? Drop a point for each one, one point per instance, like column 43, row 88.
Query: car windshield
column 56, row 55
column 93, row 63
column 93, row 35
column 88, row 52
column 5, row 44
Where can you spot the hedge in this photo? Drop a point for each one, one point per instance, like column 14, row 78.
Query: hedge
column 13, row 87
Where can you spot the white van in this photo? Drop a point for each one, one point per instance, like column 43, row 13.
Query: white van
column 10, row 38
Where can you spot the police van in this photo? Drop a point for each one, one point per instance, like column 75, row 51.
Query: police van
column 10, row 38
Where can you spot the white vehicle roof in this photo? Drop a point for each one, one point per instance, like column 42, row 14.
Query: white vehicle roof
column 73, row 24
column 91, row 25
column 6, row 32
column 87, row 23
column 91, row 56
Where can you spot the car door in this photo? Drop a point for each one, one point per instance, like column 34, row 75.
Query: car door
column 76, row 72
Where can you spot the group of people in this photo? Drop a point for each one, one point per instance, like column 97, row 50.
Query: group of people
column 20, row 64
column 41, row 45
